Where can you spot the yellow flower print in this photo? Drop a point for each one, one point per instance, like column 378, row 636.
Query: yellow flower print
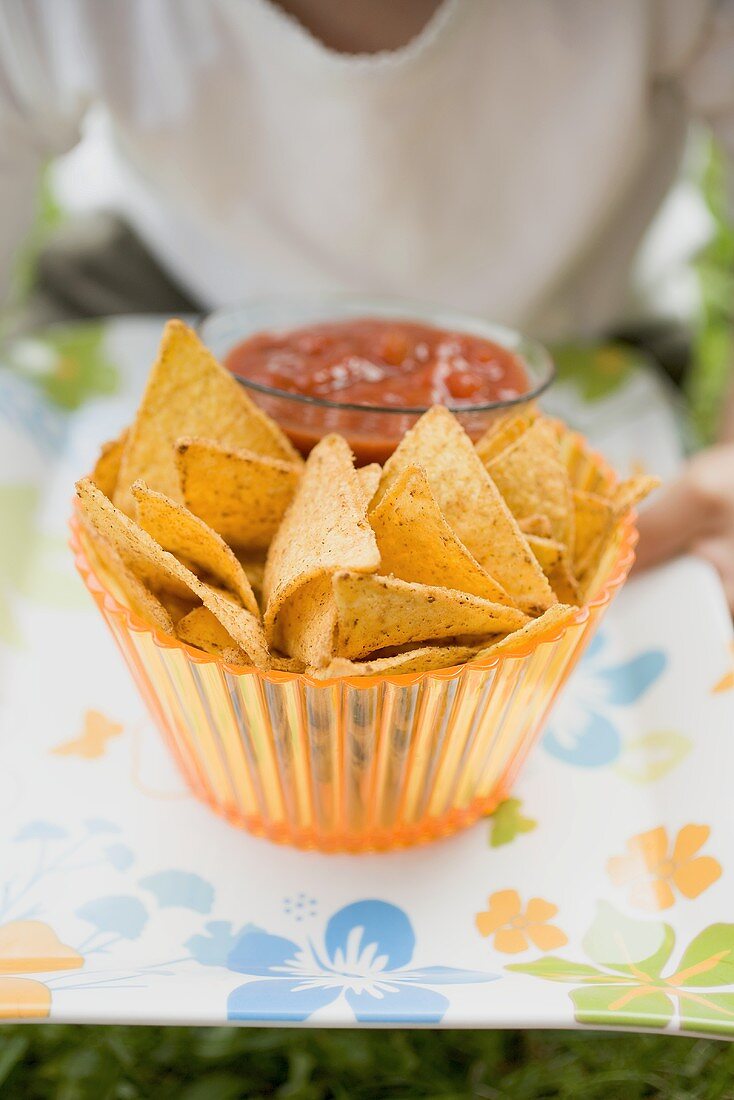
column 515, row 930
column 651, row 872
column 30, row 947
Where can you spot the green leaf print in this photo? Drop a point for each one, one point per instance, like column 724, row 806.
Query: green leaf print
column 626, row 945
column 561, row 970
column 633, row 1006
column 627, row 988
column 32, row 563
column 709, row 958
column 709, row 1012
column 67, row 362
column 596, row 370
column 508, row 822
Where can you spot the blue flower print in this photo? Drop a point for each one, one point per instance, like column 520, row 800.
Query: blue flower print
column 40, row 830
column 583, row 731
column 366, row 955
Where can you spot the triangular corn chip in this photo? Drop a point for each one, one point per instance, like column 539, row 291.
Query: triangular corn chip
column 105, row 559
column 471, row 504
column 242, row 495
column 536, row 525
column 374, row 612
column 593, row 515
column 533, row 479
column 144, row 557
column 554, row 561
column 504, row 431
column 629, row 493
column 369, row 479
column 254, row 567
column 107, row 467
column 585, row 470
column 417, row 544
column 599, row 558
column 558, row 615
column 547, row 551
column 178, row 606
column 425, row 659
column 201, row 629
column 190, row 394
column 325, row 530
column 187, row 537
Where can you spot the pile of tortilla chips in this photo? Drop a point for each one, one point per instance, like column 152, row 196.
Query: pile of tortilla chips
column 205, row 522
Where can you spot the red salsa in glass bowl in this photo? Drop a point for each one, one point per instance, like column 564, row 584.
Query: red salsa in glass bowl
column 368, row 369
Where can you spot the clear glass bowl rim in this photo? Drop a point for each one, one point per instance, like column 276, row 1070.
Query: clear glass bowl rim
column 535, row 356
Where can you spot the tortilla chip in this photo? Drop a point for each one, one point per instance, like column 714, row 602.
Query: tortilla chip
column 286, row 664
column 601, row 562
column 593, row 516
column 307, row 622
column 554, row 561
column 585, row 471
column 417, row 544
column 190, row 394
column 187, row 537
column 107, row 467
column 547, row 551
column 178, row 606
column 504, row 431
column 254, row 567
column 241, row 495
column 374, row 612
column 563, row 582
column 324, row 531
column 536, row 525
column 200, row 628
column 558, row 615
column 369, row 479
column 471, row 504
column 425, row 659
column 105, row 559
column 533, row 479
column 629, row 493
column 144, row 557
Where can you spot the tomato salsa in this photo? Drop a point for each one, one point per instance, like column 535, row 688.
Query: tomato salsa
column 370, row 361
column 376, row 364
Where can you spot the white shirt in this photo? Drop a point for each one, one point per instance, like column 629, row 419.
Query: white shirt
column 506, row 162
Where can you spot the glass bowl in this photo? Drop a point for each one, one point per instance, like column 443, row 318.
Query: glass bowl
column 372, row 431
column 358, row 764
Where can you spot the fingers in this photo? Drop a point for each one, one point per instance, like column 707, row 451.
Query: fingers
column 671, row 523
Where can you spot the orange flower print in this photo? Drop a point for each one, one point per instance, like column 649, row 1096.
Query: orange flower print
column 651, row 872
column 726, row 683
column 30, row 946
column 515, row 931
column 92, row 741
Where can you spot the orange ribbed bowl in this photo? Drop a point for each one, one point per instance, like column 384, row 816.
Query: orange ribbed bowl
column 359, row 764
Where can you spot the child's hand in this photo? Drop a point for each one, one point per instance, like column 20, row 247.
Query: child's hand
column 696, row 514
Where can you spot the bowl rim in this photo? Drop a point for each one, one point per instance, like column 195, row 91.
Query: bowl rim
column 105, row 599
column 508, row 338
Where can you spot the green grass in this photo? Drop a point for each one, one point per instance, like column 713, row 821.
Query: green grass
column 96, row 1063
